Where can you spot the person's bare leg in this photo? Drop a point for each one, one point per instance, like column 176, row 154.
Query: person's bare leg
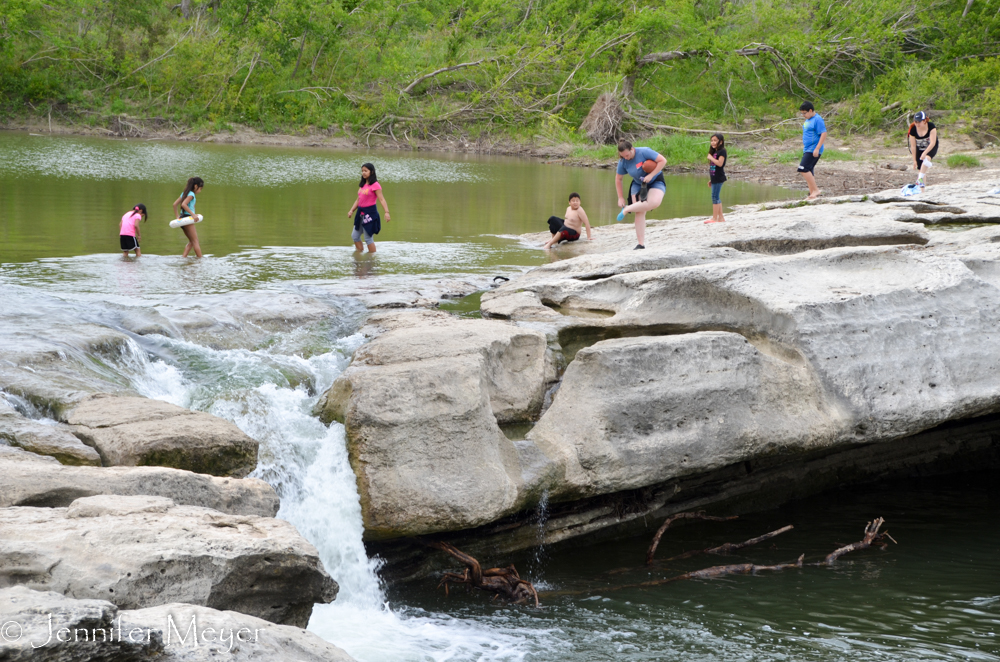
column 371, row 247
column 653, row 200
column 138, row 253
column 190, row 243
column 717, row 216
column 125, row 254
column 814, row 191
column 358, row 246
column 640, row 227
column 194, row 241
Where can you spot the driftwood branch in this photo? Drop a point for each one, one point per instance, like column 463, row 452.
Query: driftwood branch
column 872, row 537
column 729, row 546
column 504, row 582
column 409, row 88
column 891, row 106
column 732, row 547
column 673, row 518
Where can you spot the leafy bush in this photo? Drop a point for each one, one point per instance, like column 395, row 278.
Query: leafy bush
column 534, row 68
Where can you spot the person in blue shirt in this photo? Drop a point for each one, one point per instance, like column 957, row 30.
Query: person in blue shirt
column 813, row 137
column 647, row 189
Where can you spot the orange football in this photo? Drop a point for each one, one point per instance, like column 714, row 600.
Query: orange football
column 648, row 166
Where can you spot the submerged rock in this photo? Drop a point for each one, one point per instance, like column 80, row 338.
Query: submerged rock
column 35, row 480
column 134, row 431
column 56, row 627
column 141, row 551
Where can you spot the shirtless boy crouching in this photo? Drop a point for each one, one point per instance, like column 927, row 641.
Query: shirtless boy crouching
column 568, row 229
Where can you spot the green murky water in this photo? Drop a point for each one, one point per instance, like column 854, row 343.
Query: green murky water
column 63, row 197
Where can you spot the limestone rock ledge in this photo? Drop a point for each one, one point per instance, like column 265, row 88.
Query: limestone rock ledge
column 144, row 551
column 54, row 441
column 36, row 480
column 56, row 628
column 779, row 336
column 134, row 431
column 422, row 403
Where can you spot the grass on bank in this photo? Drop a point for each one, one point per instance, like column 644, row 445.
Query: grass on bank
column 963, row 161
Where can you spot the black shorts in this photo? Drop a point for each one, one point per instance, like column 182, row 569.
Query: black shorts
column 128, row 242
column 808, row 162
column 557, row 226
column 931, row 154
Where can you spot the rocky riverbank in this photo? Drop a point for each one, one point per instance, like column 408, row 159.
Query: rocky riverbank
column 133, row 519
column 789, row 350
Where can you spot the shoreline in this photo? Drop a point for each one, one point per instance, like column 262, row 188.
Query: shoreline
column 862, row 165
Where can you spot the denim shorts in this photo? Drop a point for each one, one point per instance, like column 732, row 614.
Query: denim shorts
column 716, row 190
column 357, row 234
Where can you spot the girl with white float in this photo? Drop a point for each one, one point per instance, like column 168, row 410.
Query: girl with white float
column 188, row 217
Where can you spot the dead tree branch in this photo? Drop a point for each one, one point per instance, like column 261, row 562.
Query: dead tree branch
column 673, row 518
column 409, row 88
column 872, row 537
column 154, row 60
column 504, row 582
column 667, row 56
column 732, row 547
column 729, row 546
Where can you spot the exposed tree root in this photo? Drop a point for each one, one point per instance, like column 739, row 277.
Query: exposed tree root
column 673, row 518
column 503, row 582
column 872, row 537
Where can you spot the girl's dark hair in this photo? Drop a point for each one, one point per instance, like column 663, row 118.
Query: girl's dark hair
column 722, row 143
column 372, row 178
column 194, row 181
column 141, row 208
column 624, row 146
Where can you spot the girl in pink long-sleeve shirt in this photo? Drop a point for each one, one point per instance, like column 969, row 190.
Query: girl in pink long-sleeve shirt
column 129, row 230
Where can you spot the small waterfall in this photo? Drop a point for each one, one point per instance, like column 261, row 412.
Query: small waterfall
column 537, row 565
column 307, row 463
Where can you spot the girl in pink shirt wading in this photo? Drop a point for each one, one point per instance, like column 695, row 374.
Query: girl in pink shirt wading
column 367, row 223
column 129, row 230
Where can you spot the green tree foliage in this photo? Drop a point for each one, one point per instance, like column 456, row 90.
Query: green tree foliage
column 530, row 66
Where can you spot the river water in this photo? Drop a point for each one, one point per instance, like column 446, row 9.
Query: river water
column 276, row 224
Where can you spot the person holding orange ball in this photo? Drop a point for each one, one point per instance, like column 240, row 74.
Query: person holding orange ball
column 648, row 187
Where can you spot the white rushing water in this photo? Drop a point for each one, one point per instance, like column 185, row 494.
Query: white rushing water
column 307, row 464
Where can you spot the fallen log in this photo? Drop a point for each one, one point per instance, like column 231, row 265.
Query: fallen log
column 673, row 518
column 503, row 582
column 872, row 537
